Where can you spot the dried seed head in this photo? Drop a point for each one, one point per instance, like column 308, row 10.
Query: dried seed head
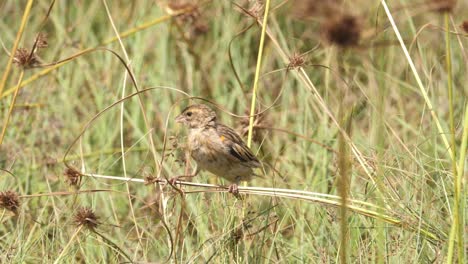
column 296, row 60
column 464, row 26
column 25, row 59
column 41, row 40
column 343, row 31
column 72, row 176
column 256, row 10
column 87, row 218
column 200, row 28
column 237, row 235
column 190, row 16
column 150, row 179
column 442, row 5
column 10, row 201
column 257, row 132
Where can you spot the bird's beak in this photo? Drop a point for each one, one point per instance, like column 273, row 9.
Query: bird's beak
column 180, row 119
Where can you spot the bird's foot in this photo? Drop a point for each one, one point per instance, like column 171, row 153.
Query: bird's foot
column 173, row 180
column 234, row 189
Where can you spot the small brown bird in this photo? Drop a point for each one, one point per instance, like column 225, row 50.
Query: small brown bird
column 217, row 148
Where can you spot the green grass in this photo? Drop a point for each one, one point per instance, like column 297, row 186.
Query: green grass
column 349, row 119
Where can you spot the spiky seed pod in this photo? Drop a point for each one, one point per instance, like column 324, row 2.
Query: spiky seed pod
column 25, row 59
column 86, row 217
column 10, row 201
column 72, row 176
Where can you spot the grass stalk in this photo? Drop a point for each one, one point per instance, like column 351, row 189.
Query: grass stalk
column 460, row 192
column 122, row 108
column 26, row 12
column 457, row 229
column 357, row 206
column 343, row 189
column 304, row 78
column 257, row 73
column 65, row 249
column 418, row 79
column 454, row 233
column 10, row 109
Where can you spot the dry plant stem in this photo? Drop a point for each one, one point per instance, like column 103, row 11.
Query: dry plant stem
column 343, row 188
column 121, row 125
column 65, row 249
column 326, row 199
column 223, row 189
column 418, row 79
column 124, row 166
column 26, row 12
column 64, row 193
column 257, row 74
column 10, row 110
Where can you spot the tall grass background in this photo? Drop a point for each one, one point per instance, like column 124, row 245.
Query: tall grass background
column 357, row 109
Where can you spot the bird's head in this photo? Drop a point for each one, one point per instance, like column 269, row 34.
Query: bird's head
column 196, row 116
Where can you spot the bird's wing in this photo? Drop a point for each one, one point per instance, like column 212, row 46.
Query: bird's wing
column 236, row 146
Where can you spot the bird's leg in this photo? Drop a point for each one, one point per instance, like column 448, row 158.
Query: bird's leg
column 194, row 173
column 234, row 188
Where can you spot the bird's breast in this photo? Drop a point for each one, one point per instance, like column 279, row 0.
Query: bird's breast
column 201, row 146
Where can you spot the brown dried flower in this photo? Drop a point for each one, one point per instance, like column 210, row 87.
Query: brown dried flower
column 190, row 16
column 73, row 176
column 87, row 218
column 257, row 133
column 41, row 40
column 10, row 201
column 296, row 60
column 24, row 58
column 343, row 31
column 256, row 9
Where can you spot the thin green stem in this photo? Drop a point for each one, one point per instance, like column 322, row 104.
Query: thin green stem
column 459, row 201
column 460, row 189
column 257, row 73
column 10, row 110
column 417, row 77
column 454, row 232
column 65, row 249
column 27, row 10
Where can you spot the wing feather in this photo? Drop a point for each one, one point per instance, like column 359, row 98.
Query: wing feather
column 236, row 146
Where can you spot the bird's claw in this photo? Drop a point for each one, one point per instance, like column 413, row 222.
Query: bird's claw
column 234, row 189
column 173, row 181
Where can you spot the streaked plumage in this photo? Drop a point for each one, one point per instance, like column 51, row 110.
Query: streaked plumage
column 215, row 147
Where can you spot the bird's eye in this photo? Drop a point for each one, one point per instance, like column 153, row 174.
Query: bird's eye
column 189, row 113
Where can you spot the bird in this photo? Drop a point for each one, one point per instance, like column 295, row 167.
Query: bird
column 217, row 148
